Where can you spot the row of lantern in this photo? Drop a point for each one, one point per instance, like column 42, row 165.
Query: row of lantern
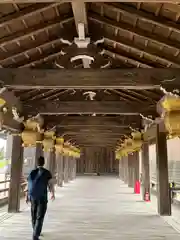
column 169, row 110
column 130, row 145
column 33, row 134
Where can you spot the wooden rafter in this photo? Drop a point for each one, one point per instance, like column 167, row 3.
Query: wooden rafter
column 125, row 59
column 26, row 12
column 162, row 42
column 36, row 45
column 35, row 30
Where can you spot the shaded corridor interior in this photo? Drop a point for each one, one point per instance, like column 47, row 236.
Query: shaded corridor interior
column 92, row 208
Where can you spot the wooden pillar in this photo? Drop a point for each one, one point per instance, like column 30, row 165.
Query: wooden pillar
column 70, row 170
column 164, row 202
column 60, row 169
column 136, row 166
column 66, row 169
column 126, row 172
column 38, row 152
column 145, row 169
column 16, row 173
column 120, row 169
column 130, row 171
column 51, row 162
column 74, row 168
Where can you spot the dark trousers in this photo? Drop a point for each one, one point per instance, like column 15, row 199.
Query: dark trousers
column 38, row 211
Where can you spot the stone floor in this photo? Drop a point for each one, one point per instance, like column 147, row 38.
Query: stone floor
column 92, row 208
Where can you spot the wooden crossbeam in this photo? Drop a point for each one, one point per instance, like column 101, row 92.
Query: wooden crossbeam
column 64, row 1
column 94, row 135
column 83, row 107
column 92, row 138
column 93, row 132
column 89, row 78
column 10, row 124
column 93, row 121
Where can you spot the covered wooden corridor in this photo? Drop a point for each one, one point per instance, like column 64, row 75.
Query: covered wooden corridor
column 93, row 208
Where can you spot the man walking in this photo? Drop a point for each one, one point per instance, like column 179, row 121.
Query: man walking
column 38, row 181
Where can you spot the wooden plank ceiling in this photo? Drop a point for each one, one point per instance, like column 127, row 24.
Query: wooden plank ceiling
column 136, row 35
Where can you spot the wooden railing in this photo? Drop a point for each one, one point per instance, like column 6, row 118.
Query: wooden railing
column 173, row 191
column 4, row 190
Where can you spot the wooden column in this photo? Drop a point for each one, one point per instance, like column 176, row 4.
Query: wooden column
column 60, row 169
column 70, row 169
column 66, row 169
column 74, row 168
column 164, row 202
column 145, row 169
column 16, row 173
column 38, row 152
column 130, row 171
column 120, row 169
column 136, row 166
column 126, row 170
column 51, row 162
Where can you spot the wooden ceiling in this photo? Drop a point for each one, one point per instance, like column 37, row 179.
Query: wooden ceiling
column 136, row 35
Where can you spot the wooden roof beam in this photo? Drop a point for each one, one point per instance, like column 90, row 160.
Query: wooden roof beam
column 42, row 60
column 92, row 130
column 83, row 107
column 26, row 12
column 146, row 17
column 89, row 78
column 35, row 30
column 65, row 1
column 143, row 51
column 136, row 32
column 93, row 138
column 95, row 134
column 93, row 121
column 80, row 15
column 124, row 59
column 170, row 61
column 36, row 45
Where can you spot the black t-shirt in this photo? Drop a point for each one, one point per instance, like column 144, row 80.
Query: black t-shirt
column 45, row 177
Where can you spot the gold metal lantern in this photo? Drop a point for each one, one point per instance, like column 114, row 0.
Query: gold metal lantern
column 59, row 144
column 49, row 141
column 170, row 112
column 30, row 136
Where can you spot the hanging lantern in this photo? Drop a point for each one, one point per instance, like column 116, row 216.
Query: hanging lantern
column 30, row 136
column 170, row 103
column 49, row 140
column 2, row 102
column 137, row 140
column 66, row 149
column 59, row 144
column 169, row 107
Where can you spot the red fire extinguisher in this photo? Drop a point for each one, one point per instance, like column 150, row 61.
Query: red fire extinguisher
column 147, row 197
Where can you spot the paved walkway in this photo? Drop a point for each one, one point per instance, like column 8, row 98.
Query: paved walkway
column 93, row 208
